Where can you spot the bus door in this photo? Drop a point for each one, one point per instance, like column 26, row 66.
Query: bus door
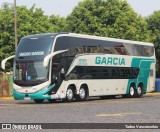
column 60, row 66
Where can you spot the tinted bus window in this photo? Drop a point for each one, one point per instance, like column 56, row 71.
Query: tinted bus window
column 139, row 50
column 98, row 72
column 86, row 45
column 67, row 42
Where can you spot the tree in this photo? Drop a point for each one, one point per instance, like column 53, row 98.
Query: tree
column 32, row 21
column 6, row 32
column 29, row 21
column 59, row 23
column 111, row 18
column 153, row 22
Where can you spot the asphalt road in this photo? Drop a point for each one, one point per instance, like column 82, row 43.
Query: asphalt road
column 119, row 110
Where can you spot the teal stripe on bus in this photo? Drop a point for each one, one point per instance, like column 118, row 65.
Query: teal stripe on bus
column 144, row 67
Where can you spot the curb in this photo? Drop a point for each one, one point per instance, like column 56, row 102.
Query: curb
column 6, row 98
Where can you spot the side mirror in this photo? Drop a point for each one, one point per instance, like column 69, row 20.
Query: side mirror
column 48, row 57
column 3, row 63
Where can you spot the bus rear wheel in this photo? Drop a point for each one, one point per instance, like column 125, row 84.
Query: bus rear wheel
column 39, row 101
column 83, row 93
column 139, row 91
column 69, row 94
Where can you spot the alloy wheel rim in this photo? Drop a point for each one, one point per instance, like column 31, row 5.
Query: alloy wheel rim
column 131, row 91
column 82, row 93
column 139, row 91
column 69, row 94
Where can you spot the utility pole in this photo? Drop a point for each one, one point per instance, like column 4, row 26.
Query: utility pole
column 15, row 24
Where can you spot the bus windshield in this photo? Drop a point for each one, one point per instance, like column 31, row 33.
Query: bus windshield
column 30, row 73
column 34, row 48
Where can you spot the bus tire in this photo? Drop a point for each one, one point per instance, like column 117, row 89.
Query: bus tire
column 69, row 94
column 39, row 101
column 52, row 100
column 83, row 93
column 132, row 91
column 139, row 91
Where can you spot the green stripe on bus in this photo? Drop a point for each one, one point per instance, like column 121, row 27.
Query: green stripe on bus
column 144, row 71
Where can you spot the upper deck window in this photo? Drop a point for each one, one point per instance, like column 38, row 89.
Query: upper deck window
column 67, row 42
column 88, row 45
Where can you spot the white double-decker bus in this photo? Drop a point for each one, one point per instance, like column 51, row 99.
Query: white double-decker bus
column 73, row 66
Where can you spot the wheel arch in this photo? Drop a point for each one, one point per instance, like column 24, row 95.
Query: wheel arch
column 133, row 84
column 141, row 85
column 73, row 86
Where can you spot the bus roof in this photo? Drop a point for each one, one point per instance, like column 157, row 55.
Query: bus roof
column 110, row 39
column 45, row 35
column 58, row 34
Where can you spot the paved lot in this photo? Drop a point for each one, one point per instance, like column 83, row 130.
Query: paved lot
column 119, row 110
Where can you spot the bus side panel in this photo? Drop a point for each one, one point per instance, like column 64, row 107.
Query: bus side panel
column 122, row 86
column 101, row 87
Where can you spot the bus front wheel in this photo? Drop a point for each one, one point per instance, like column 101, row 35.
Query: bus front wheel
column 69, row 94
column 132, row 92
column 38, row 100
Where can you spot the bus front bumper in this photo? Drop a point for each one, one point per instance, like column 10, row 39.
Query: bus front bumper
column 32, row 96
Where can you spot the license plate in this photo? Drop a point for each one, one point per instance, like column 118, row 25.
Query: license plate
column 27, row 98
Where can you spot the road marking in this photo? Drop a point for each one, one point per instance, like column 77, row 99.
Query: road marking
column 155, row 93
column 118, row 114
column 104, row 115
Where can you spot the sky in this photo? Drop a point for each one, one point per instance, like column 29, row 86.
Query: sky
column 65, row 7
